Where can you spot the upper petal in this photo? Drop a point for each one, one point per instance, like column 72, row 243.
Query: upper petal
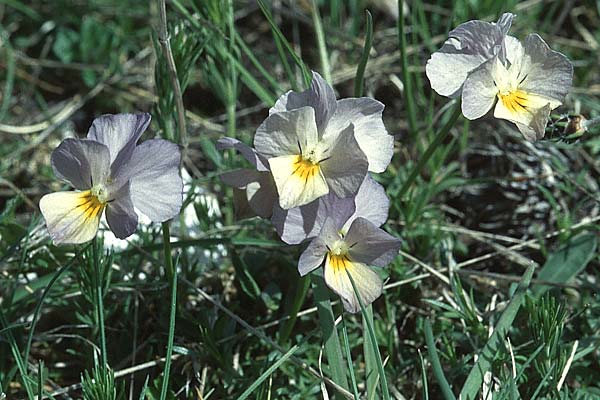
column 366, row 115
column 156, row 185
column 120, row 133
column 120, row 214
column 71, row 217
column 82, row 163
column 371, row 245
column 286, row 133
column 315, row 252
column 371, row 202
column 320, row 96
column 259, row 162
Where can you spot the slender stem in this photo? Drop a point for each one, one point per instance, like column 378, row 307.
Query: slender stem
column 439, row 138
column 99, row 303
column 364, row 58
column 435, row 363
column 172, row 276
column 299, row 296
column 165, row 44
column 406, row 80
column 321, row 42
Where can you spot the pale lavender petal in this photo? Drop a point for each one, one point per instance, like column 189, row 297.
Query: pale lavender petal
column 315, row 253
column 346, row 165
column 247, row 152
column 120, row 133
column 259, row 187
column 120, row 214
column 320, row 96
column 286, row 133
column 156, row 186
column 371, row 245
column 479, row 91
column 82, row 163
column 372, row 203
column 365, row 114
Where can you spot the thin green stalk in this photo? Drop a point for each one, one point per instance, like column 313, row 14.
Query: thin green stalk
column 372, row 376
column 172, row 276
column 439, row 138
column 99, row 303
column 349, row 360
column 323, row 55
column 40, row 382
column 333, row 350
column 14, row 347
column 299, row 296
column 364, row 58
column 373, row 339
column 438, row 372
column 406, row 79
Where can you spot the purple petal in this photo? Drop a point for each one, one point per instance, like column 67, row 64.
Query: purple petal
column 371, row 201
column 319, row 96
column 259, row 188
column 156, row 186
column 247, row 152
column 120, row 133
column 315, row 253
column 371, row 245
column 120, row 214
column 82, row 163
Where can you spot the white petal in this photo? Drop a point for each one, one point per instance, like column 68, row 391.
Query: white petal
column 479, row 91
column 298, row 182
column 71, row 217
column 368, row 284
column 82, row 163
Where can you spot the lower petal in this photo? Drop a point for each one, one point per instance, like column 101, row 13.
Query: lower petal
column 298, row 182
column 368, row 284
column 71, row 217
column 529, row 111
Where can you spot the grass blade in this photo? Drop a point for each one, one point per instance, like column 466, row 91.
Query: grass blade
column 333, row 350
column 364, row 58
column 484, row 362
column 323, row 55
column 371, row 372
column 172, row 276
column 406, row 79
column 438, row 372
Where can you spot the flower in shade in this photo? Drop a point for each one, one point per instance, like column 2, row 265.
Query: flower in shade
column 350, row 250
column 301, row 223
column 468, row 46
column 110, row 172
column 525, row 84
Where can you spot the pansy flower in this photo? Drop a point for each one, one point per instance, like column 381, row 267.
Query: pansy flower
column 468, row 46
column 110, row 172
column 525, row 85
column 350, row 249
column 301, row 223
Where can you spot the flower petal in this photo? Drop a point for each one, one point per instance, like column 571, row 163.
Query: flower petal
column 346, row 166
column 247, row 152
column 156, row 186
column 120, row 214
column 298, row 224
column 468, row 46
column 298, row 181
column 546, row 72
column 371, row 245
column 71, row 217
column 286, row 133
column 320, row 96
column 370, row 133
column 368, row 284
column 479, row 90
column 372, row 203
column 120, row 133
column 315, row 252
column 82, row 163
column 259, row 187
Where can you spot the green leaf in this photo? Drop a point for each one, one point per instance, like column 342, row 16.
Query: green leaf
column 568, row 261
column 496, row 341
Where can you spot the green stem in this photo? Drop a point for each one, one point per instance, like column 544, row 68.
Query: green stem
column 439, row 138
column 299, row 296
column 321, row 42
column 408, row 93
column 435, row 363
column 99, row 303
column 172, row 276
column 333, row 350
column 364, row 58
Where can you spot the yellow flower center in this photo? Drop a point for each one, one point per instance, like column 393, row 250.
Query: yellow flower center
column 515, row 101
column 337, row 257
column 93, row 201
column 305, row 168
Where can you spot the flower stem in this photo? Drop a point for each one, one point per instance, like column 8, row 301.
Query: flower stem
column 99, row 303
column 439, row 138
column 171, row 274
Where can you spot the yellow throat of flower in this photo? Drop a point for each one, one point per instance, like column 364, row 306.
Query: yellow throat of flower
column 93, row 201
column 337, row 257
column 304, row 168
column 516, row 101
